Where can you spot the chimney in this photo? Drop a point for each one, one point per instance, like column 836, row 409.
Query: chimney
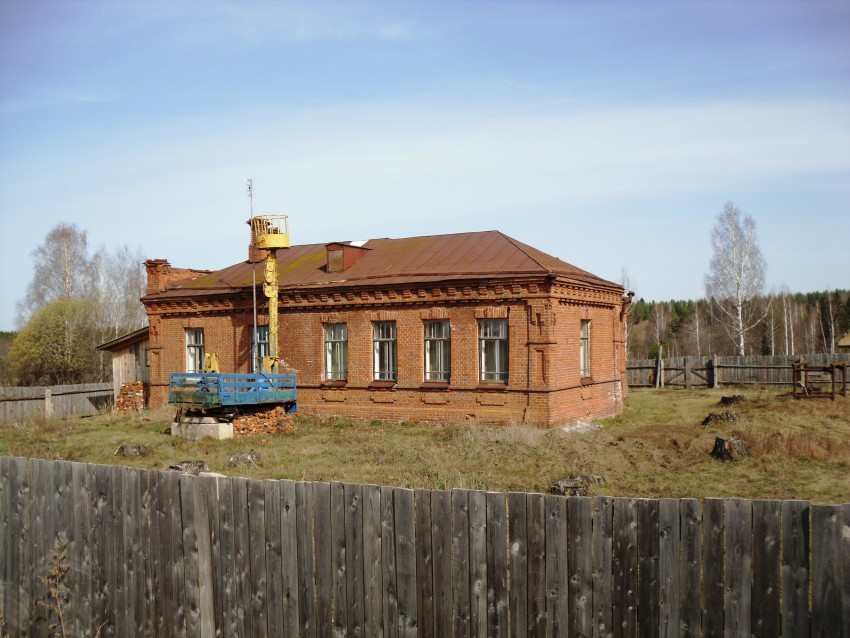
column 157, row 270
column 342, row 255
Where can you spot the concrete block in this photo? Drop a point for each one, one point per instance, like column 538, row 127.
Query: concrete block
column 196, row 431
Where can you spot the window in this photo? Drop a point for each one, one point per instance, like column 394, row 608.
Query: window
column 194, row 349
column 584, row 348
column 261, row 334
column 493, row 349
column 336, row 351
column 437, row 351
column 385, row 364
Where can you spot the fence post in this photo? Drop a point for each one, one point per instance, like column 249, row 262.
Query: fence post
column 659, row 368
column 687, row 373
column 715, row 382
column 48, row 403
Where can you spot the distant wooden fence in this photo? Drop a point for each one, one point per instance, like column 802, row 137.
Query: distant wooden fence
column 57, row 401
column 162, row 554
column 690, row 372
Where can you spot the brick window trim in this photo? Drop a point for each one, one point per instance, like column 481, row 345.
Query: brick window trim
column 339, row 383
column 587, row 381
column 378, row 384
column 492, row 385
column 434, row 386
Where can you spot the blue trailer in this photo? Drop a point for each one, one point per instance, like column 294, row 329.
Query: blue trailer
column 227, row 394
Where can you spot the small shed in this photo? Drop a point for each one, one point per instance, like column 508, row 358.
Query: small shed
column 130, row 358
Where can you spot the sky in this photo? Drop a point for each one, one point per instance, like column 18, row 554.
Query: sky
column 608, row 134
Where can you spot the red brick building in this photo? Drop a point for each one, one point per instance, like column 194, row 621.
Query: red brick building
column 438, row 328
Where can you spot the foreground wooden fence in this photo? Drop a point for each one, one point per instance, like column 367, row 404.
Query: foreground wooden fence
column 161, row 554
column 56, row 401
column 712, row 372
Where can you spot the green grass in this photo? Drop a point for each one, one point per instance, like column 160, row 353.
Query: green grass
column 655, row 448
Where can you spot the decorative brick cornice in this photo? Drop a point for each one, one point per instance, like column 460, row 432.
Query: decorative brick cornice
column 492, row 292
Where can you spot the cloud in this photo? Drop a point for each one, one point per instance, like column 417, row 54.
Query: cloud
column 49, row 97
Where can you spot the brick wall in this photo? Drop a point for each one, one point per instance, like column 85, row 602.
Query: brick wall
column 544, row 386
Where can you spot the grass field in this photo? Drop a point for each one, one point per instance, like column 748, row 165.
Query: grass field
column 655, row 448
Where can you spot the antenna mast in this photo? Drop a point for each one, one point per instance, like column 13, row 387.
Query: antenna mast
column 254, row 344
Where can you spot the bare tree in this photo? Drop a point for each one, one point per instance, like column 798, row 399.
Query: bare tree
column 736, row 274
column 693, row 328
column 61, row 270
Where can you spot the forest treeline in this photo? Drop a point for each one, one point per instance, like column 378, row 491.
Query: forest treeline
column 793, row 323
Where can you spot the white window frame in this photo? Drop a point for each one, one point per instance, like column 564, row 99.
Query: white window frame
column 584, row 349
column 493, row 350
column 385, row 351
column 336, row 351
column 261, row 334
column 438, row 350
column 194, row 350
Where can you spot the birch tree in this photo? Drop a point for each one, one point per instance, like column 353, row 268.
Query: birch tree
column 736, row 275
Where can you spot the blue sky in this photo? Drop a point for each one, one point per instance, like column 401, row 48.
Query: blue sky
column 608, row 134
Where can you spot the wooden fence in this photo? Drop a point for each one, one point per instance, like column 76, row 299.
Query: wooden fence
column 57, row 401
column 690, row 372
column 163, row 554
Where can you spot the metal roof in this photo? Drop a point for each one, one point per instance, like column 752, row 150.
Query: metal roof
column 411, row 260
column 125, row 340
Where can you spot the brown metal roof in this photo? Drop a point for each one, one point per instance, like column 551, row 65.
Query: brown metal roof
column 411, row 260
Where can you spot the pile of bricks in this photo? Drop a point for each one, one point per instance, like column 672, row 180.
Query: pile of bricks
column 273, row 421
column 131, row 398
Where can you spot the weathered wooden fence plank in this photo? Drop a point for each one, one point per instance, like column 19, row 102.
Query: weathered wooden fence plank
column 669, row 546
column 766, row 578
column 258, row 579
column 324, row 558
column 795, row 569
column 191, row 555
column 372, row 558
column 690, row 567
column 518, row 576
column 826, row 570
column 43, row 479
column 405, row 555
column 625, row 567
column 290, row 592
column 648, row 565
column 273, row 558
column 497, row 565
column 338, row 544
column 556, row 564
column 118, row 567
column 356, row 612
column 441, row 543
column 424, row 563
column 537, row 594
column 203, row 538
column 713, row 535
column 79, row 555
column 243, row 615
column 580, row 533
column 603, row 537
column 211, row 493
column 478, row 563
column 101, row 548
column 738, row 567
column 229, row 610
column 306, row 565
column 388, row 574
column 460, row 563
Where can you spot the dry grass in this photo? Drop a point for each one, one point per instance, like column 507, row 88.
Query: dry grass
column 657, row 447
